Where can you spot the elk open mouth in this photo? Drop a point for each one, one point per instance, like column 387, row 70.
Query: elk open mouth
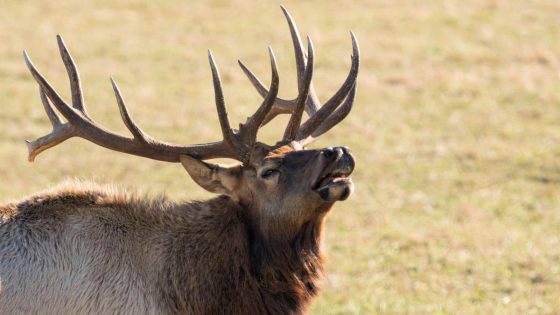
column 335, row 185
column 334, row 182
column 331, row 180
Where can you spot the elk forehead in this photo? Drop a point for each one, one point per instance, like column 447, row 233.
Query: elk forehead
column 281, row 151
column 263, row 154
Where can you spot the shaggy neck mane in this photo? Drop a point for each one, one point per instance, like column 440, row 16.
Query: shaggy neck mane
column 287, row 269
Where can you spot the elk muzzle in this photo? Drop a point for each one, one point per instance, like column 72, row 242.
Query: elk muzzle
column 333, row 183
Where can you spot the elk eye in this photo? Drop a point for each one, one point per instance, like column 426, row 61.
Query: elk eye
column 269, row 173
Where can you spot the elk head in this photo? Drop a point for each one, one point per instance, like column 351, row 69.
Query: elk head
column 283, row 184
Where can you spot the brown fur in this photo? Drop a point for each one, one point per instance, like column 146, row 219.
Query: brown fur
column 182, row 258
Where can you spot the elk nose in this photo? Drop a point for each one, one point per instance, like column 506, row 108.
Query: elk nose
column 334, row 153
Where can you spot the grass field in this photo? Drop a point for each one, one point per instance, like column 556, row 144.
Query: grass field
column 456, row 130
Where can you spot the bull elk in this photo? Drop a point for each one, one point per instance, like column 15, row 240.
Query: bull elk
column 255, row 249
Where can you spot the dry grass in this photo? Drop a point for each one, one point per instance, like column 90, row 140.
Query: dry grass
column 456, row 130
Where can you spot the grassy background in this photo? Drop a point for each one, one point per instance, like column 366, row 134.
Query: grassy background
column 456, row 130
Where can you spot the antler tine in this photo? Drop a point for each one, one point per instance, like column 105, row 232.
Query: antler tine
column 67, row 111
column 136, row 131
column 279, row 103
column 336, row 117
column 295, row 119
column 220, row 102
column 280, row 106
column 51, row 114
column 312, row 102
column 298, row 47
column 73, row 76
column 253, row 123
column 318, row 118
column 60, row 132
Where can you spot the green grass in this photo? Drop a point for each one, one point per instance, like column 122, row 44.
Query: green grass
column 456, row 130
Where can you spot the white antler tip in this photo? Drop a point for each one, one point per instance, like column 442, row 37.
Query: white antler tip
column 31, row 150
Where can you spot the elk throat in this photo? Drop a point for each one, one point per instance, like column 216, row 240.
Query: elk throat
column 288, row 267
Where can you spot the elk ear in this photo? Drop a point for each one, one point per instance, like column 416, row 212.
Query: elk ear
column 215, row 178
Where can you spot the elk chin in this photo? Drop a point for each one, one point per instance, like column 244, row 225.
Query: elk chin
column 335, row 189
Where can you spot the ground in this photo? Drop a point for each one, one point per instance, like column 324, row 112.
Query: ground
column 456, row 130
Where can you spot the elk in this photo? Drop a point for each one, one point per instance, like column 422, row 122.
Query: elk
column 255, row 249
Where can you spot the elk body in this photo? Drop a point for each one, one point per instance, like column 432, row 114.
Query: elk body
column 255, row 249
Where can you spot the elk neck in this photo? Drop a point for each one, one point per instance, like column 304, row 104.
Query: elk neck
column 286, row 267
column 281, row 272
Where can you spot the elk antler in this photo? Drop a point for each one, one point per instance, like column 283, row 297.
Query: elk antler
column 322, row 118
column 236, row 144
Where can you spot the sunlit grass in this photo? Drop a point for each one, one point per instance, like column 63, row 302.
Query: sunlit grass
column 456, row 130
